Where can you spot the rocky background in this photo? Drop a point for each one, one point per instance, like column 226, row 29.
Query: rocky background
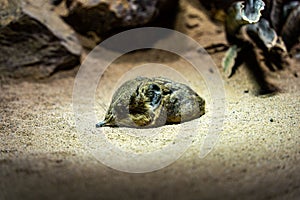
column 39, row 38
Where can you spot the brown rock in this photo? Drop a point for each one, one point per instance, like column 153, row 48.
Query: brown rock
column 34, row 40
column 104, row 16
column 217, row 4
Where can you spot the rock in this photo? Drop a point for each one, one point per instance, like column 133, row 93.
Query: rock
column 105, row 16
column 291, row 29
column 56, row 2
column 34, row 40
column 217, row 4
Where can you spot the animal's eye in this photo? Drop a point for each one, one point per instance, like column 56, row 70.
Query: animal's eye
column 154, row 94
column 154, row 87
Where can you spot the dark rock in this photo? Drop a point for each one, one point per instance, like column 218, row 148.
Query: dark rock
column 217, row 4
column 34, row 40
column 104, row 16
column 56, row 2
column 291, row 29
column 276, row 14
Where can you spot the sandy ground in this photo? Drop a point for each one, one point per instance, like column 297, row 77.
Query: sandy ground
column 256, row 157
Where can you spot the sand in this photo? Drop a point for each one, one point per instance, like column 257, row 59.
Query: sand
column 257, row 156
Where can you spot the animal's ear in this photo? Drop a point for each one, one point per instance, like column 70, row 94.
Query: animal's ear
column 154, row 94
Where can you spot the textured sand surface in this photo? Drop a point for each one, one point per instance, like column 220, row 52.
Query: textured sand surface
column 256, row 157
